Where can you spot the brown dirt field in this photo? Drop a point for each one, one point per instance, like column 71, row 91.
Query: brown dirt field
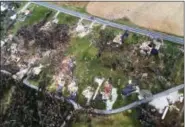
column 162, row 16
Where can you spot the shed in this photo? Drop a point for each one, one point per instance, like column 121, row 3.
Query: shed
column 128, row 90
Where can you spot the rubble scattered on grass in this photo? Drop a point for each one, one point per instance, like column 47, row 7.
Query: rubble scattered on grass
column 162, row 102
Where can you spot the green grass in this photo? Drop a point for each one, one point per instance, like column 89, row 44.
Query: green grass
column 178, row 71
column 135, row 38
column 45, row 77
column 67, row 19
column 6, row 100
column 125, row 21
column 125, row 119
column 21, row 5
column 89, row 66
column 74, row 8
column 38, row 13
column 33, row 82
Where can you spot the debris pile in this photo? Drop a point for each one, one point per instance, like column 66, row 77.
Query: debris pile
column 88, row 93
column 45, row 35
column 164, row 101
column 65, row 76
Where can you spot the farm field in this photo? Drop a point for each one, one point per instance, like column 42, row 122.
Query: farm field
column 162, row 16
column 150, row 15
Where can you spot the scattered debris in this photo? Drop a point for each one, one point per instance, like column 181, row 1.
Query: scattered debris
column 145, row 49
column 118, row 39
column 164, row 101
column 19, row 75
column 144, row 94
column 107, row 91
column 110, row 102
column 2, row 43
column 128, row 90
column 37, row 70
column 88, row 93
column 72, row 87
column 13, row 17
column 99, row 81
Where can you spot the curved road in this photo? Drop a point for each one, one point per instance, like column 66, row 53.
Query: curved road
column 145, row 32
column 118, row 110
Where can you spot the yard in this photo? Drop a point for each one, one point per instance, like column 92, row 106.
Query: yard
column 38, row 13
column 88, row 66
column 92, row 60
column 67, row 19
column 125, row 119
column 129, row 64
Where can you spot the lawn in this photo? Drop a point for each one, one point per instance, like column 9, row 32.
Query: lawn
column 38, row 13
column 125, row 119
column 88, row 66
column 22, row 3
column 67, row 19
column 125, row 21
column 6, row 100
column 76, row 6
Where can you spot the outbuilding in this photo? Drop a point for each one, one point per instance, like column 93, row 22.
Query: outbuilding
column 128, row 90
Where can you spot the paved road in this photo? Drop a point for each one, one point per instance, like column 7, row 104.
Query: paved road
column 118, row 110
column 136, row 103
column 145, row 32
